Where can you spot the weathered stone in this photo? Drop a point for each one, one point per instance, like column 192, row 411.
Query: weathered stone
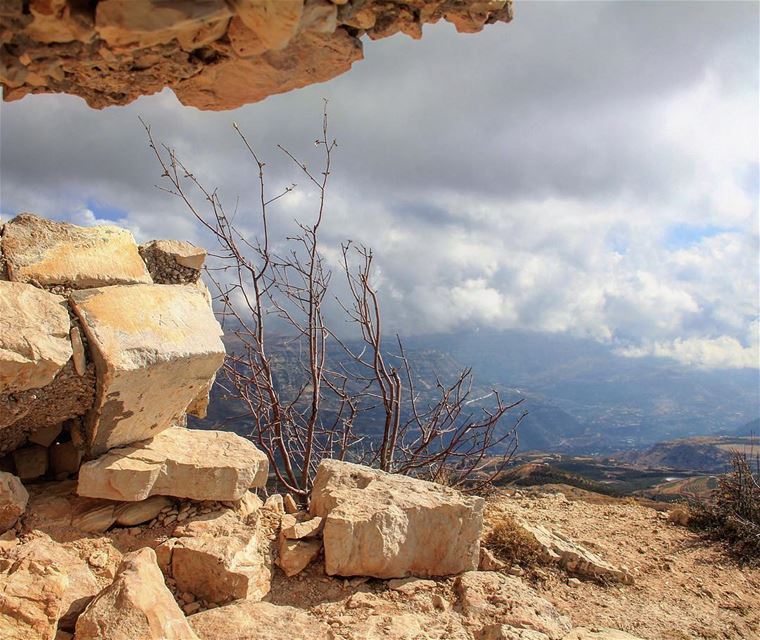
column 600, row 633
column 79, row 356
column 13, row 500
column 275, row 22
column 289, row 504
column 173, row 261
column 95, row 519
column 484, row 594
column 220, row 568
column 295, row 555
column 81, row 585
column 573, row 557
column 31, row 462
column 137, row 605
column 155, row 348
column 145, row 23
column 302, row 529
column 59, row 21
column 143, row 46
column 245, row 620
column 379, row 524
column 489, row 562
column 373, row 625
column 134, row 513
column 34, row 338
column 46, row 436
column 49, row 253
column 507, row 632
column 309, row 57
column 65, row 457
column 200, row 465
column 31, row 599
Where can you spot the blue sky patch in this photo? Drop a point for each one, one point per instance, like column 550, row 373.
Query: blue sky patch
column 681, row 236
column 104, row 211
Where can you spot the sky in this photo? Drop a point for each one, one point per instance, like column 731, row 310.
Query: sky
column 591, row 168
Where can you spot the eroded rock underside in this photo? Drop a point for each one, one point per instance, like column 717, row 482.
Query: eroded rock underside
column 214, row 54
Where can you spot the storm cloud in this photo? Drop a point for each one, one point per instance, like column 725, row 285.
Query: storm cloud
column 590, row 168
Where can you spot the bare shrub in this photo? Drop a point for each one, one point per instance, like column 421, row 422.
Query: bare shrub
column 733, row 513
column 274, row 302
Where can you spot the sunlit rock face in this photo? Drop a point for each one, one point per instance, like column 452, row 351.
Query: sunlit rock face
column 214, row 54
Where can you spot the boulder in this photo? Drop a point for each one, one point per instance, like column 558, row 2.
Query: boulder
column 34, row 338
column 223, row 561
column 246, row 620
column 173, row 261
column 295, row 529
column 378, row 524
column 378, row 625
column 155, row 348
column 81, row 585
column 493, row 598
column 200, row 465
column 31, row 599
column 275, row 22
column 573, row 557
column 48, row 254
column 136, row 605
column 295, row 555
column 13, row 500
column 46, row 436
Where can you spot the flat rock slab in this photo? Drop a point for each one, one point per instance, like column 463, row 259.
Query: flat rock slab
column 200, row 465
column 49, row 253
column 573, row 557
column 379, row 524
column 136, row 605
column 244, row 620
column 34, row 337
column 495, row 599
column 155, row 349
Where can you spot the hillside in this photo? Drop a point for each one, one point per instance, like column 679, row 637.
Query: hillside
column 704, row 454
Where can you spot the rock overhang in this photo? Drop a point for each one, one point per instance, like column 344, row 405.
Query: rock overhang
column 214, row 54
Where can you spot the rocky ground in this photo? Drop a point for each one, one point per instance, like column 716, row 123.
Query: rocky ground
column 682, row 587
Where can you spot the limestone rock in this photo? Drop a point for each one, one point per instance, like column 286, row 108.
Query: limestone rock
column 49, row 253
column 134, row 513
column 295, row 555
column 507, row 632
column 136, row 605
column 31, row 599
column 13, row 500
column 213, row 54
column 95, row 519
column 46, row 436
column 493, row 598
column 155, row 347
column 379, row 524
column 289, row 504
column 246, row 620
column 489, row 562
column 81, row 585
column 583, row 633
column 573, row 557
column 65, row 458
column 31, row 462
column 404, row 626
column 200, row 465
column 294, row 529
column 34, row 338
column 220, row 568
column 173, row 261
column 144, row 23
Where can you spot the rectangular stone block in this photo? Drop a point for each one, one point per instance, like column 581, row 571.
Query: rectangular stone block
column 155, row 348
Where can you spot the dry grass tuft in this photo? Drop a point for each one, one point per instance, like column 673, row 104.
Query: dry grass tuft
column 512, row 544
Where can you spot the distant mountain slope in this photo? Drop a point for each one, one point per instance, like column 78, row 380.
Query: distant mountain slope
column 622, row 402
column 752, row 428
column 703, row 454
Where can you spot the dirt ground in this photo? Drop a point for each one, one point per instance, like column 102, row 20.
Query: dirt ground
column 684, row 587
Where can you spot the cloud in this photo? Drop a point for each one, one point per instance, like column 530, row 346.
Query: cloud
column 586, row 169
